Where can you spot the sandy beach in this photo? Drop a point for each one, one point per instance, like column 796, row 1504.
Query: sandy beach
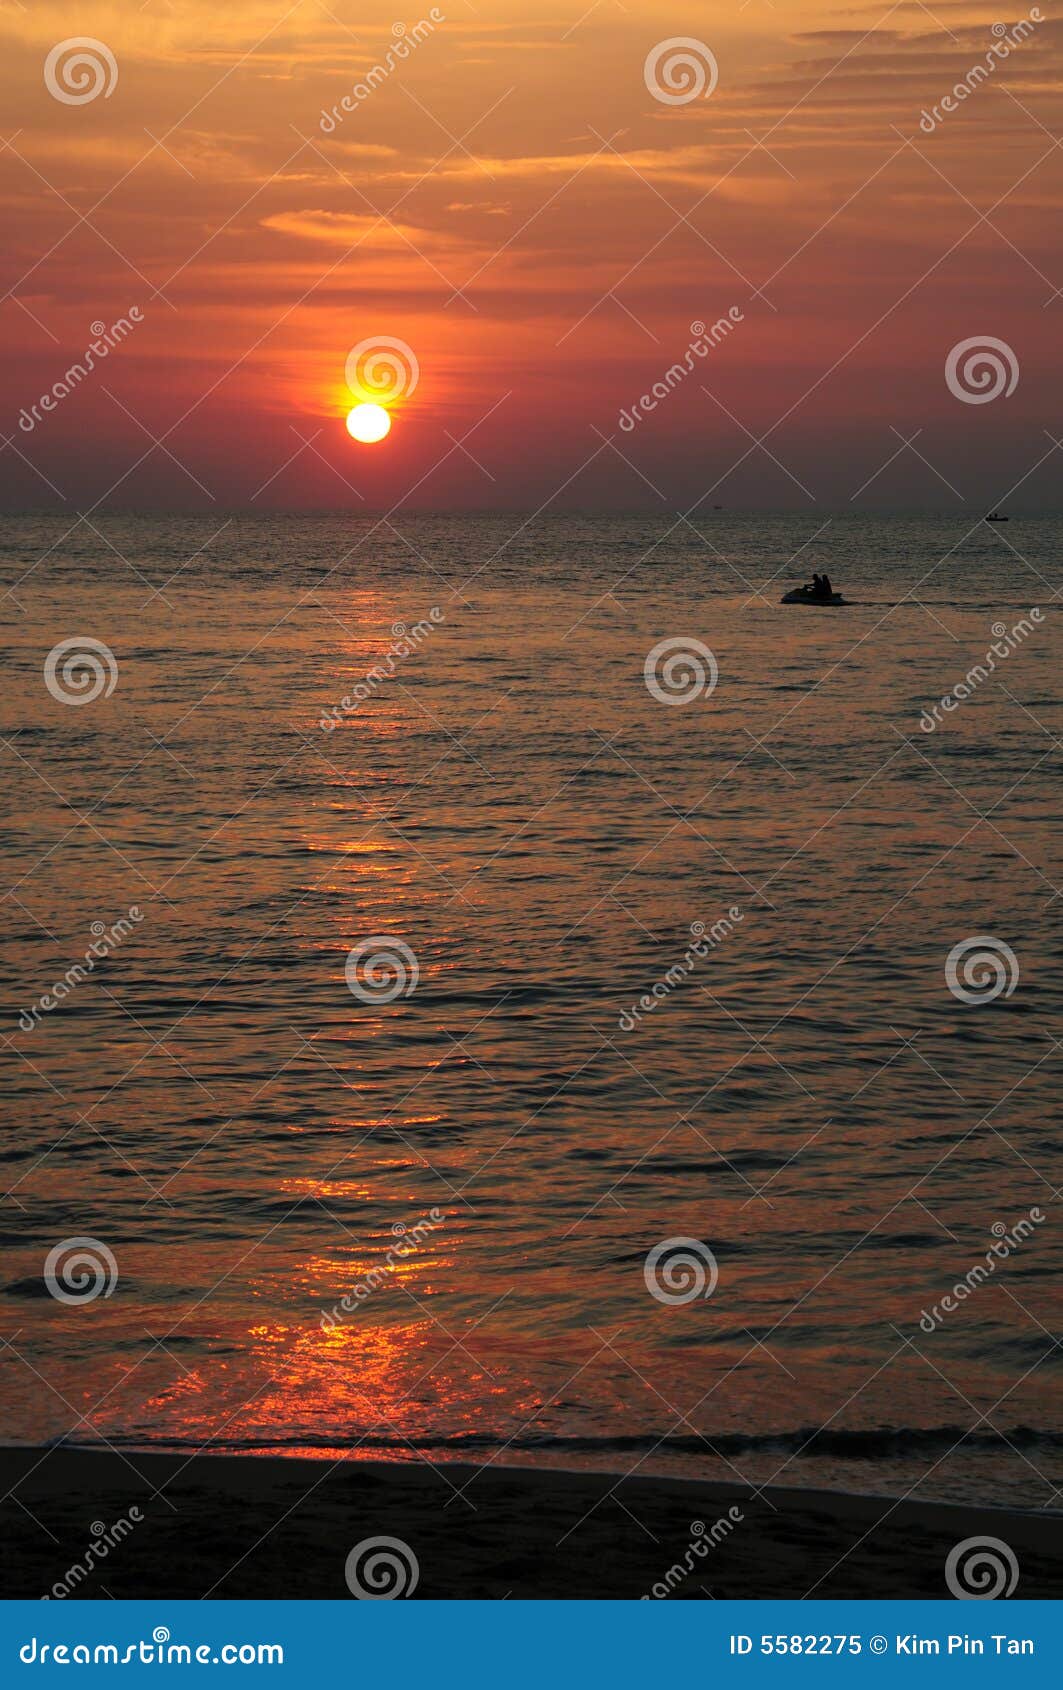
column 225, row 1526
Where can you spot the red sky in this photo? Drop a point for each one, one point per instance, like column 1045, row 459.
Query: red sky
column 512, row 202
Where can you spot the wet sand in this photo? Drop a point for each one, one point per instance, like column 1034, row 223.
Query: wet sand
column 247, row 1526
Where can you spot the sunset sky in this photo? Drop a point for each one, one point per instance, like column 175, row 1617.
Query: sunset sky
column 513, row 203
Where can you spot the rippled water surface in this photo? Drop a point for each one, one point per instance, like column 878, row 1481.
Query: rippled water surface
column 808, row 1100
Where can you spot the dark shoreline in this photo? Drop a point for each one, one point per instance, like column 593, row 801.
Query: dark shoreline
column 282, row 1527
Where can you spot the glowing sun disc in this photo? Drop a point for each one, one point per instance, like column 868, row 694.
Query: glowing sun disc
column 368, row 423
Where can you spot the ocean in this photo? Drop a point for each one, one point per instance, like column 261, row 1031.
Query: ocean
column 550, row 1002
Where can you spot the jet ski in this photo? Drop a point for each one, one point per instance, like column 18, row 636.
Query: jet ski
column 804, row 595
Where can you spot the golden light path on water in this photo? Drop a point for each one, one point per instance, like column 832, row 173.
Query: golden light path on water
column 543, row 833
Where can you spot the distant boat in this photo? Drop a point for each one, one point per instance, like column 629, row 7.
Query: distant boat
column 995, row 516
column 801, row 595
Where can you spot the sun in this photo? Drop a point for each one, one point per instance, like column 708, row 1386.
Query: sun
column 368, row 423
